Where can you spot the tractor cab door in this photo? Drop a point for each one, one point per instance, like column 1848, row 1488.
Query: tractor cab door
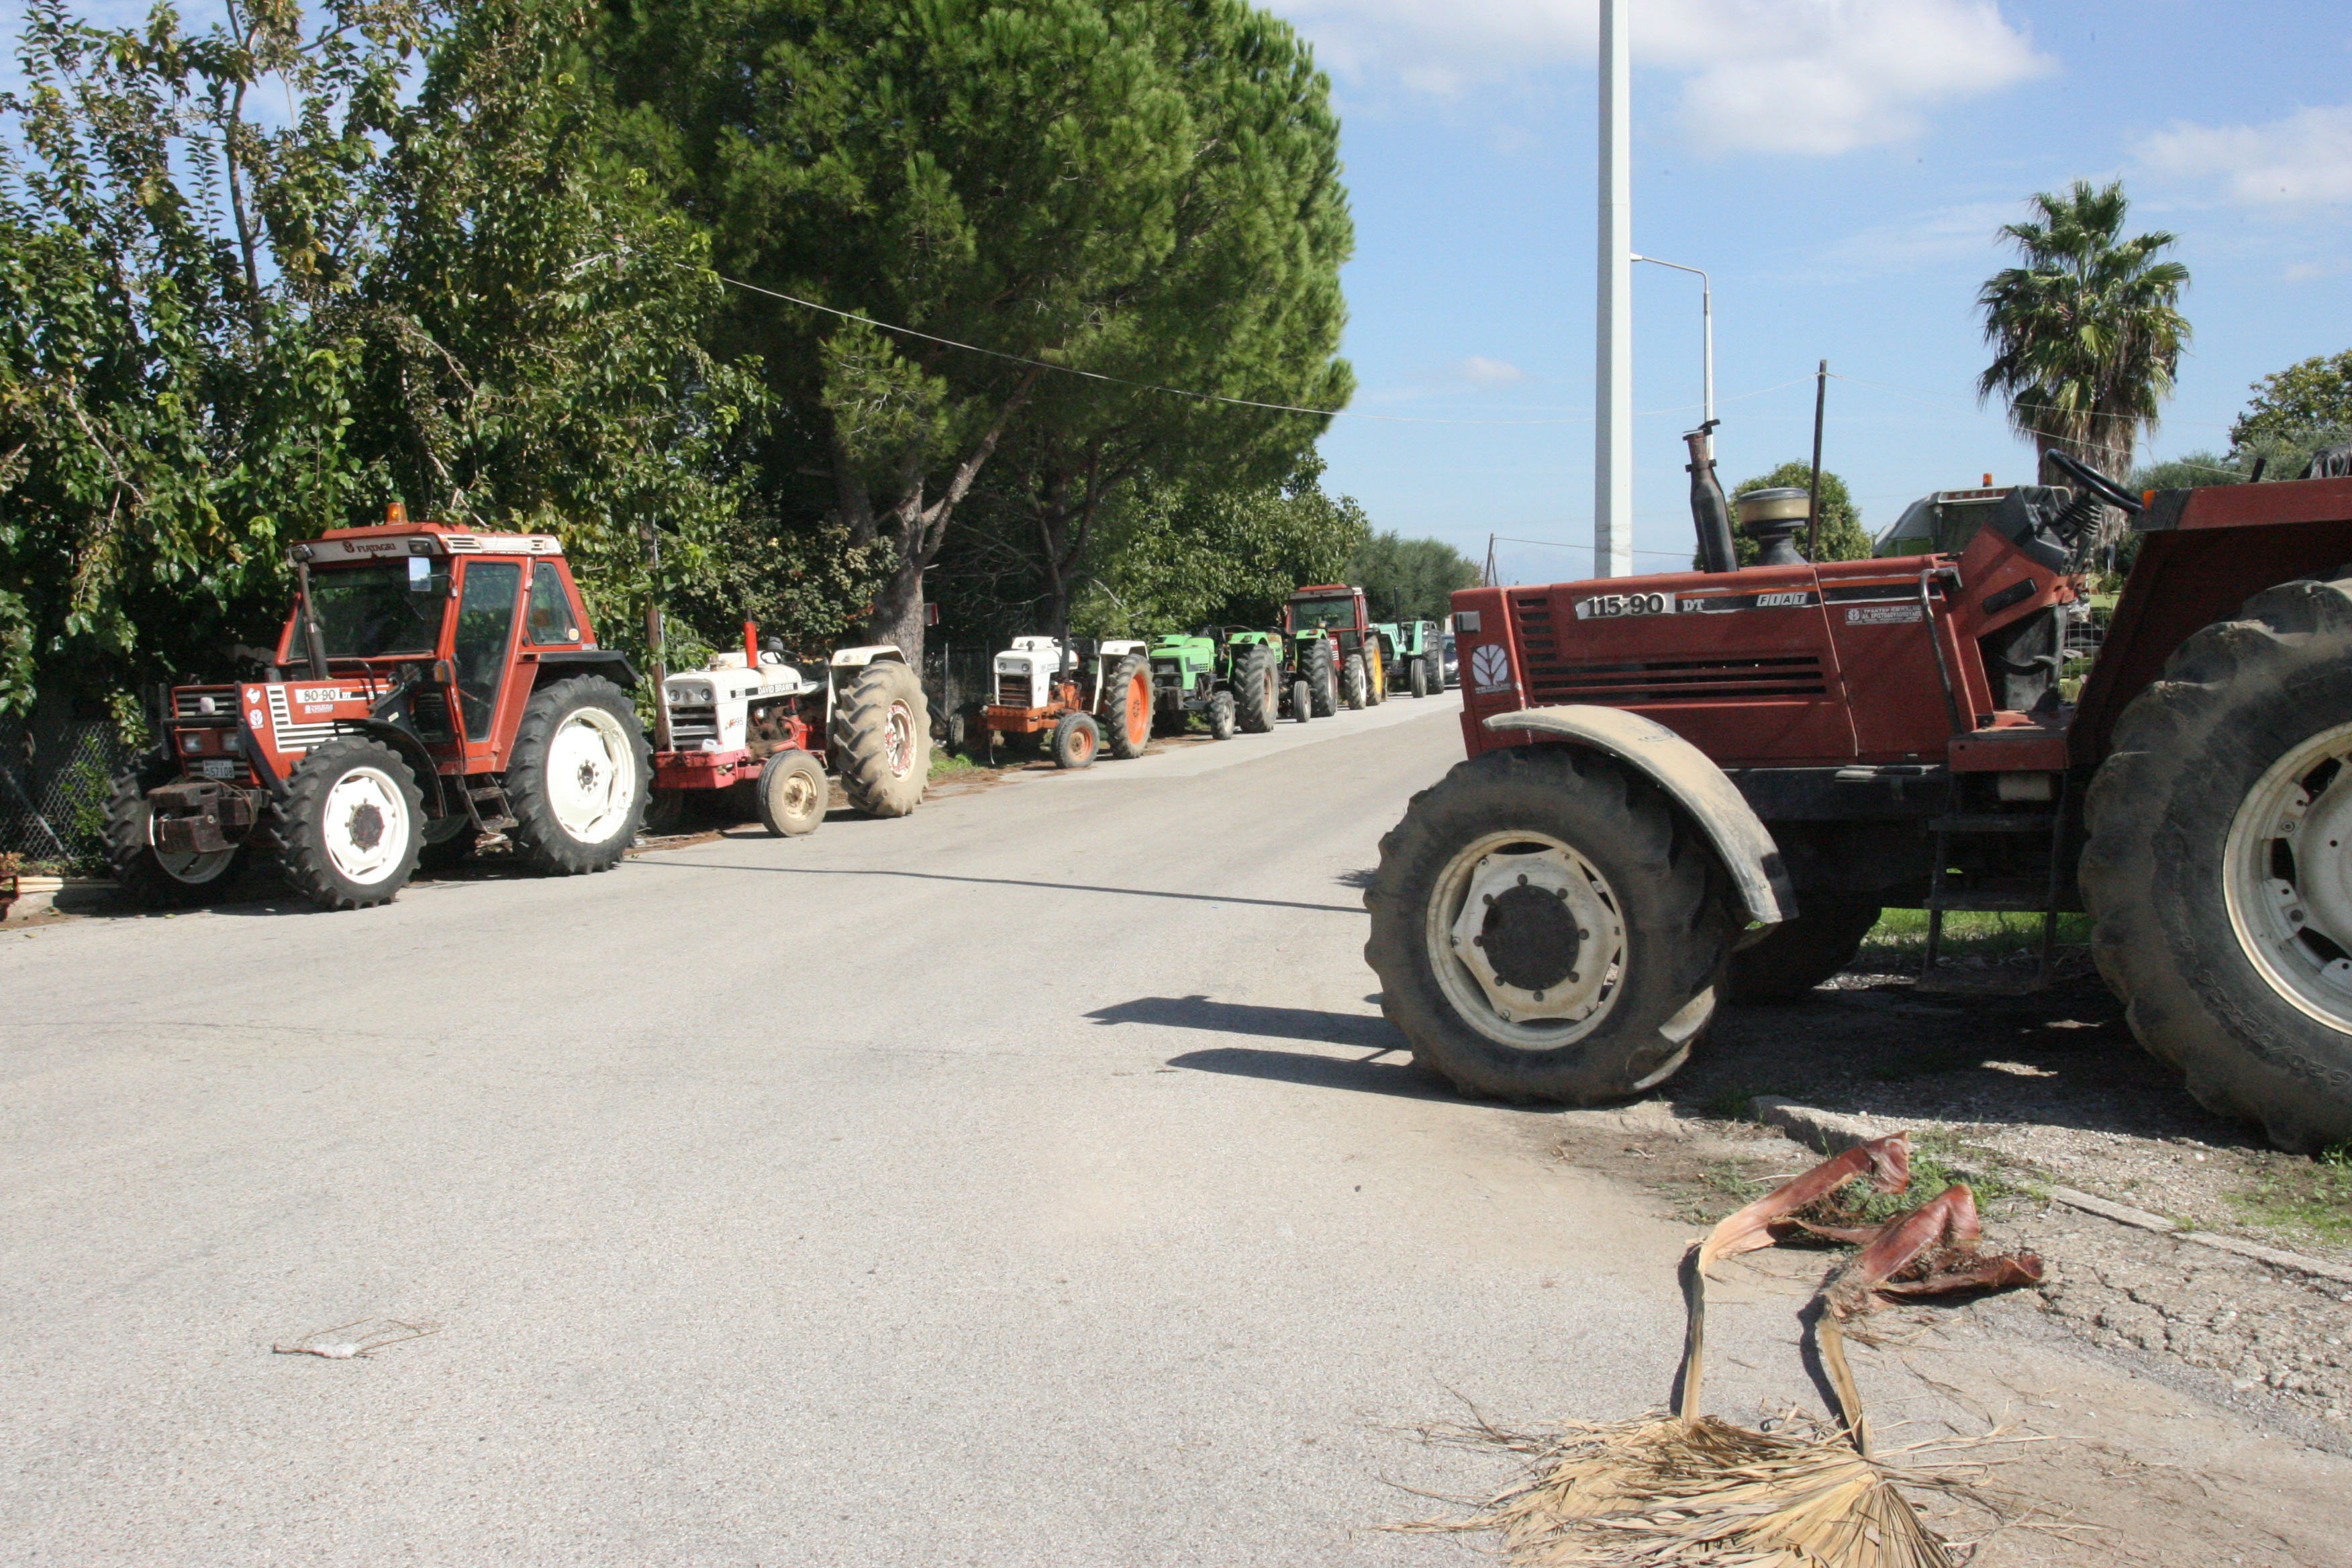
column 482, row 649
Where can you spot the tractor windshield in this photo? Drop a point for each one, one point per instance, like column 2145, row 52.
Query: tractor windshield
column 1322, row 614
column 376, row 610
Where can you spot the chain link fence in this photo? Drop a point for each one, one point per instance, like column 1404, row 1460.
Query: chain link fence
column 53, row 798
column 956, row 682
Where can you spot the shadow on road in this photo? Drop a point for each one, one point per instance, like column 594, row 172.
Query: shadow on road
column 1002, row 882
column 1387, row 1070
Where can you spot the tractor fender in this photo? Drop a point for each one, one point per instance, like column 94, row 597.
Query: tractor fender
column 859, row 657
column 609, row 662
column 1704, row 792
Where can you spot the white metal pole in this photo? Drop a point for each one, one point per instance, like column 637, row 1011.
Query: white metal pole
column 1612, row 444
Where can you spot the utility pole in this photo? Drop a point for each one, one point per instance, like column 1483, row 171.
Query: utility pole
column 1613, row 440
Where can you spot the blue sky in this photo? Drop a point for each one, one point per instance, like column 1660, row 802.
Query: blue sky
column 1840, row 166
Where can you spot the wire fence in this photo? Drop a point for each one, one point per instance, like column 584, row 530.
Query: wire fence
column 53, row 798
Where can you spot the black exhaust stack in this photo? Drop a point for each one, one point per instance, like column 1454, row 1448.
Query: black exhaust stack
column 1710, row 512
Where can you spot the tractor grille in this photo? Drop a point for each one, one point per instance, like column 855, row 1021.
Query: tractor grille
column 190, row 703
column 690, row 727
column 1011, row 689
column 290, row 736
column 1646, row 681
column 1533, row 615
column 1167, row 675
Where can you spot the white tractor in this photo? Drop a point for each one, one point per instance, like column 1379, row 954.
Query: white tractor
column 1082, row 695
column 769, row 725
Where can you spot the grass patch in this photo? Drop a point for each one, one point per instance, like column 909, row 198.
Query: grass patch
column 1971, row 933
column 1730, row 1104
column 1937, row 1161
column 946, row 764
column 2312, row 1196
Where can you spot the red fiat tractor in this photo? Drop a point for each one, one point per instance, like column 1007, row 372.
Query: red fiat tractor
column 432, row 688
column 1704, row 786
column 1355, row 670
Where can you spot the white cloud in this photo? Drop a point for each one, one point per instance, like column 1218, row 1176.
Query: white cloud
column 1775, row 76
column 2304, row 160
column 1487, row 372
column 1919, row 240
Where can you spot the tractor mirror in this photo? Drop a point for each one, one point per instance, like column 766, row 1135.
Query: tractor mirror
column 420, row 574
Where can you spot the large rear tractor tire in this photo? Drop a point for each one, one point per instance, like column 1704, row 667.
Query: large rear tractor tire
column 1257, row 689
column 1127, row 708
column 2218, row 870
column 150, row 877
column 882, row 740
column 351, row 825
column 792, row 794
column 1545, row 928
column 1323, row 675
column 1076, row 739
column 580, row 777
column 1796, row 955
column 1353, row 685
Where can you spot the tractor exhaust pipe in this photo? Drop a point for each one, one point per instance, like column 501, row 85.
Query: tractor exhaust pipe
column 314, row 643
column 1710, row 512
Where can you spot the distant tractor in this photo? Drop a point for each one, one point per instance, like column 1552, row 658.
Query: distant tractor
column 1191, row 673
column 1268, row 684
column 1332, row 616
column 1078, row 696
column 1417, row 649
column 431, row 688
column 1704, row 786
column 749, row 721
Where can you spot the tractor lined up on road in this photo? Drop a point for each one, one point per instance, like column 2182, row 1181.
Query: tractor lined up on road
column 1340, row 652
column 750, row 721
column 1700, row 784
column 1077, row 695
column 431, row 689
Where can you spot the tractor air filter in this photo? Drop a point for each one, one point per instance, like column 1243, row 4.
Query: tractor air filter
column 1770, row 517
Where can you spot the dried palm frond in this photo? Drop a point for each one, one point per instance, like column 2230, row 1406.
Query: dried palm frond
column 1688, row 1491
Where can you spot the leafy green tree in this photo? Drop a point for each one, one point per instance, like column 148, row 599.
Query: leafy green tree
column 177, row 357
column 1146, row 190
column 2310, row 396
column 2087, row 332
column 1409, row 579
column 1843, row 535
column 1174, row 556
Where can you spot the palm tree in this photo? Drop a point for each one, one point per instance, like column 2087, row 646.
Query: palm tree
column 2085, row 335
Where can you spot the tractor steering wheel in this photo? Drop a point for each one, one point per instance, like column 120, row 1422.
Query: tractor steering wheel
column 2097, row 483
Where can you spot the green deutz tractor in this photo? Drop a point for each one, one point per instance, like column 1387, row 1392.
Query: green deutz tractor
column 1190, row 674
column 1417, row 649
column 1267, row 679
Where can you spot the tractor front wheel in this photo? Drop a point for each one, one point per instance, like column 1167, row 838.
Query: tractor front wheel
column 1302, row 702
column 1353, row 686
column 881, row 735
column 794, row 793
column 1322, row 673
column 1221, row 726
column 351, row 824
column 1421, row 677
column 1545, row 929
column 153, row 878
column 2218, row 870
column 1076, row 738
column 1257, row 689
column 580, row 777
column 1127, row 707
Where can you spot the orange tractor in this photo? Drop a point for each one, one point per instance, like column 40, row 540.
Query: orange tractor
column 432, row 688
column 1701, row 786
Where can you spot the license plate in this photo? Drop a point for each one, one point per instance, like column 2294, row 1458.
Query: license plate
column 216, row 770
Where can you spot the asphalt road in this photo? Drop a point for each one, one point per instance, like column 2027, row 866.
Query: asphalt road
column 1030, row 1180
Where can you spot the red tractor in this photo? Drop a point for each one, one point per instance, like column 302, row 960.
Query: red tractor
column 432, row 688
column 1702, row 785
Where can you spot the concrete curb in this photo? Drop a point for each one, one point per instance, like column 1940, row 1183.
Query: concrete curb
column 1830, row 1133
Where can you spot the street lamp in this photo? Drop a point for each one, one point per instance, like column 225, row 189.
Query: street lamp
column 1706, row 321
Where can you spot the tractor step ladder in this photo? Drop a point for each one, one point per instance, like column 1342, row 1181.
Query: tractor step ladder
column 2011, row 895
column 489, row 804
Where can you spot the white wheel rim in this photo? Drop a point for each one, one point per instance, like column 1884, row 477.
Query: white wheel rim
column 2287, row 875
column 1532, row 1017
column 365, row 826
column 795, row 795
column 898, row 739
column 192, row 867
column 591, row 776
